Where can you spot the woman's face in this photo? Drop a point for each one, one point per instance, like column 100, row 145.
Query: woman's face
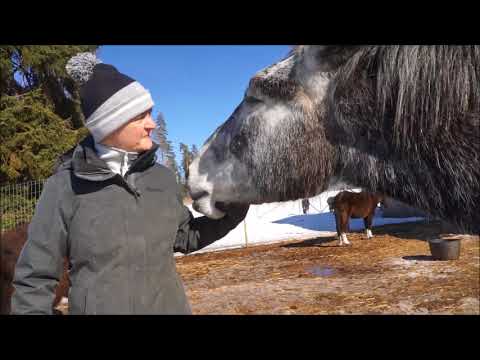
column 134, row 136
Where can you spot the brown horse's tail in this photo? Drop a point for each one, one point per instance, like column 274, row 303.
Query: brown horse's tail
column 331, row 202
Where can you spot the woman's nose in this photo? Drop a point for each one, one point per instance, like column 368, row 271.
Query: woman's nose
column 150, row 124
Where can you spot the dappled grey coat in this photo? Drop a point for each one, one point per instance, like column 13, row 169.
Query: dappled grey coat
column 120, row 234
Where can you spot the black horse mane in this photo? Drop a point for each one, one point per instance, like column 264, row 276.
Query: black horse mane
column 416, row 110
column 425, row 91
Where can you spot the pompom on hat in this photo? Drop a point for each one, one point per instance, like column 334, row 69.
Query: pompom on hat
column 109, row 99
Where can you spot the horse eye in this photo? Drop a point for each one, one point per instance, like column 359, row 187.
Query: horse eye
column 237, row 144
column 252, row 100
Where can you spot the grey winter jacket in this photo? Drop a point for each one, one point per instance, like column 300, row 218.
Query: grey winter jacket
column 119, row 233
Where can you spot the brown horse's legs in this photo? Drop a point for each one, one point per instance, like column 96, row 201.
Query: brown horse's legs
column 342, row 227
column 337, row 223
column 368, row 225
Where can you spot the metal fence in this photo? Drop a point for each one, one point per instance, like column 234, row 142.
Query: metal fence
column 17, row 203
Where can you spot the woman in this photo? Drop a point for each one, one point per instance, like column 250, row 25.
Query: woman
column 114, row 212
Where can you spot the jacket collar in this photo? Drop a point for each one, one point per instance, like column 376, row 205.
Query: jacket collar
column 87, row 165
column 118, row 160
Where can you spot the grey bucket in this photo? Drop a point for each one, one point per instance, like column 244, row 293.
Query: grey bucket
column 442, row 249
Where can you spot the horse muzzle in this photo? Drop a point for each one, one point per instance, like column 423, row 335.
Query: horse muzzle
column 205, row 204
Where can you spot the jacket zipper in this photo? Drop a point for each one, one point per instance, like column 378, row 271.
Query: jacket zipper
column 131, row 186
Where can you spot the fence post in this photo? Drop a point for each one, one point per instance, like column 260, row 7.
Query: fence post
column 245, row 231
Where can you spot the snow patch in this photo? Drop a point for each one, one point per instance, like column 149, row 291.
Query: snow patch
column 282, row 221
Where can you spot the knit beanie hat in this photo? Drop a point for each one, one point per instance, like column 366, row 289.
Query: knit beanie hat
column 109, row 99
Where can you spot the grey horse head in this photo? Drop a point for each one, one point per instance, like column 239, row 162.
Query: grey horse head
column 399, row 120
column 249, row 158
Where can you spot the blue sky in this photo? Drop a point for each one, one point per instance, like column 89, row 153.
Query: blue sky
column 195, row 87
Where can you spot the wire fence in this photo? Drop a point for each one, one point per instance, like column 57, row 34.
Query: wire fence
column 17, row 203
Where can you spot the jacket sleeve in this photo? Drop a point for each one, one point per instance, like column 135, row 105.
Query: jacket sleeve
column 40, row 263
column 196, row 233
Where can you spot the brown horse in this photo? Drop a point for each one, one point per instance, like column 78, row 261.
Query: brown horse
column 12, row 244
column 348, row 205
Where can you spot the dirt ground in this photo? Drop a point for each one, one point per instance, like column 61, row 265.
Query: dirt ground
column 392, row 273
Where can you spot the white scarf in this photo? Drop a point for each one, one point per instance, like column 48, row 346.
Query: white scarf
column 118, row 160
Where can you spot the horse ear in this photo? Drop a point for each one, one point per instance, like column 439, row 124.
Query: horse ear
column 330, row 57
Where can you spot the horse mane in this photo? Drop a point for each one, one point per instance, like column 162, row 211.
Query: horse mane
column 411, row 115
column 419, row 91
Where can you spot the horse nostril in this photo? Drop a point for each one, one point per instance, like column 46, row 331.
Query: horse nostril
column 198, row 195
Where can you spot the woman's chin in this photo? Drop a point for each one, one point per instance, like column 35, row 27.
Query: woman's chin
column 145, row 144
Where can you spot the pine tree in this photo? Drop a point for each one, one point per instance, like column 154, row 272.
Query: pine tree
column 29, row 67
column 194, row 151
column 33, row 137
column 186, row 160
column 166, row 155
column 40, row 115
column 170, row 161
column 160, row 134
